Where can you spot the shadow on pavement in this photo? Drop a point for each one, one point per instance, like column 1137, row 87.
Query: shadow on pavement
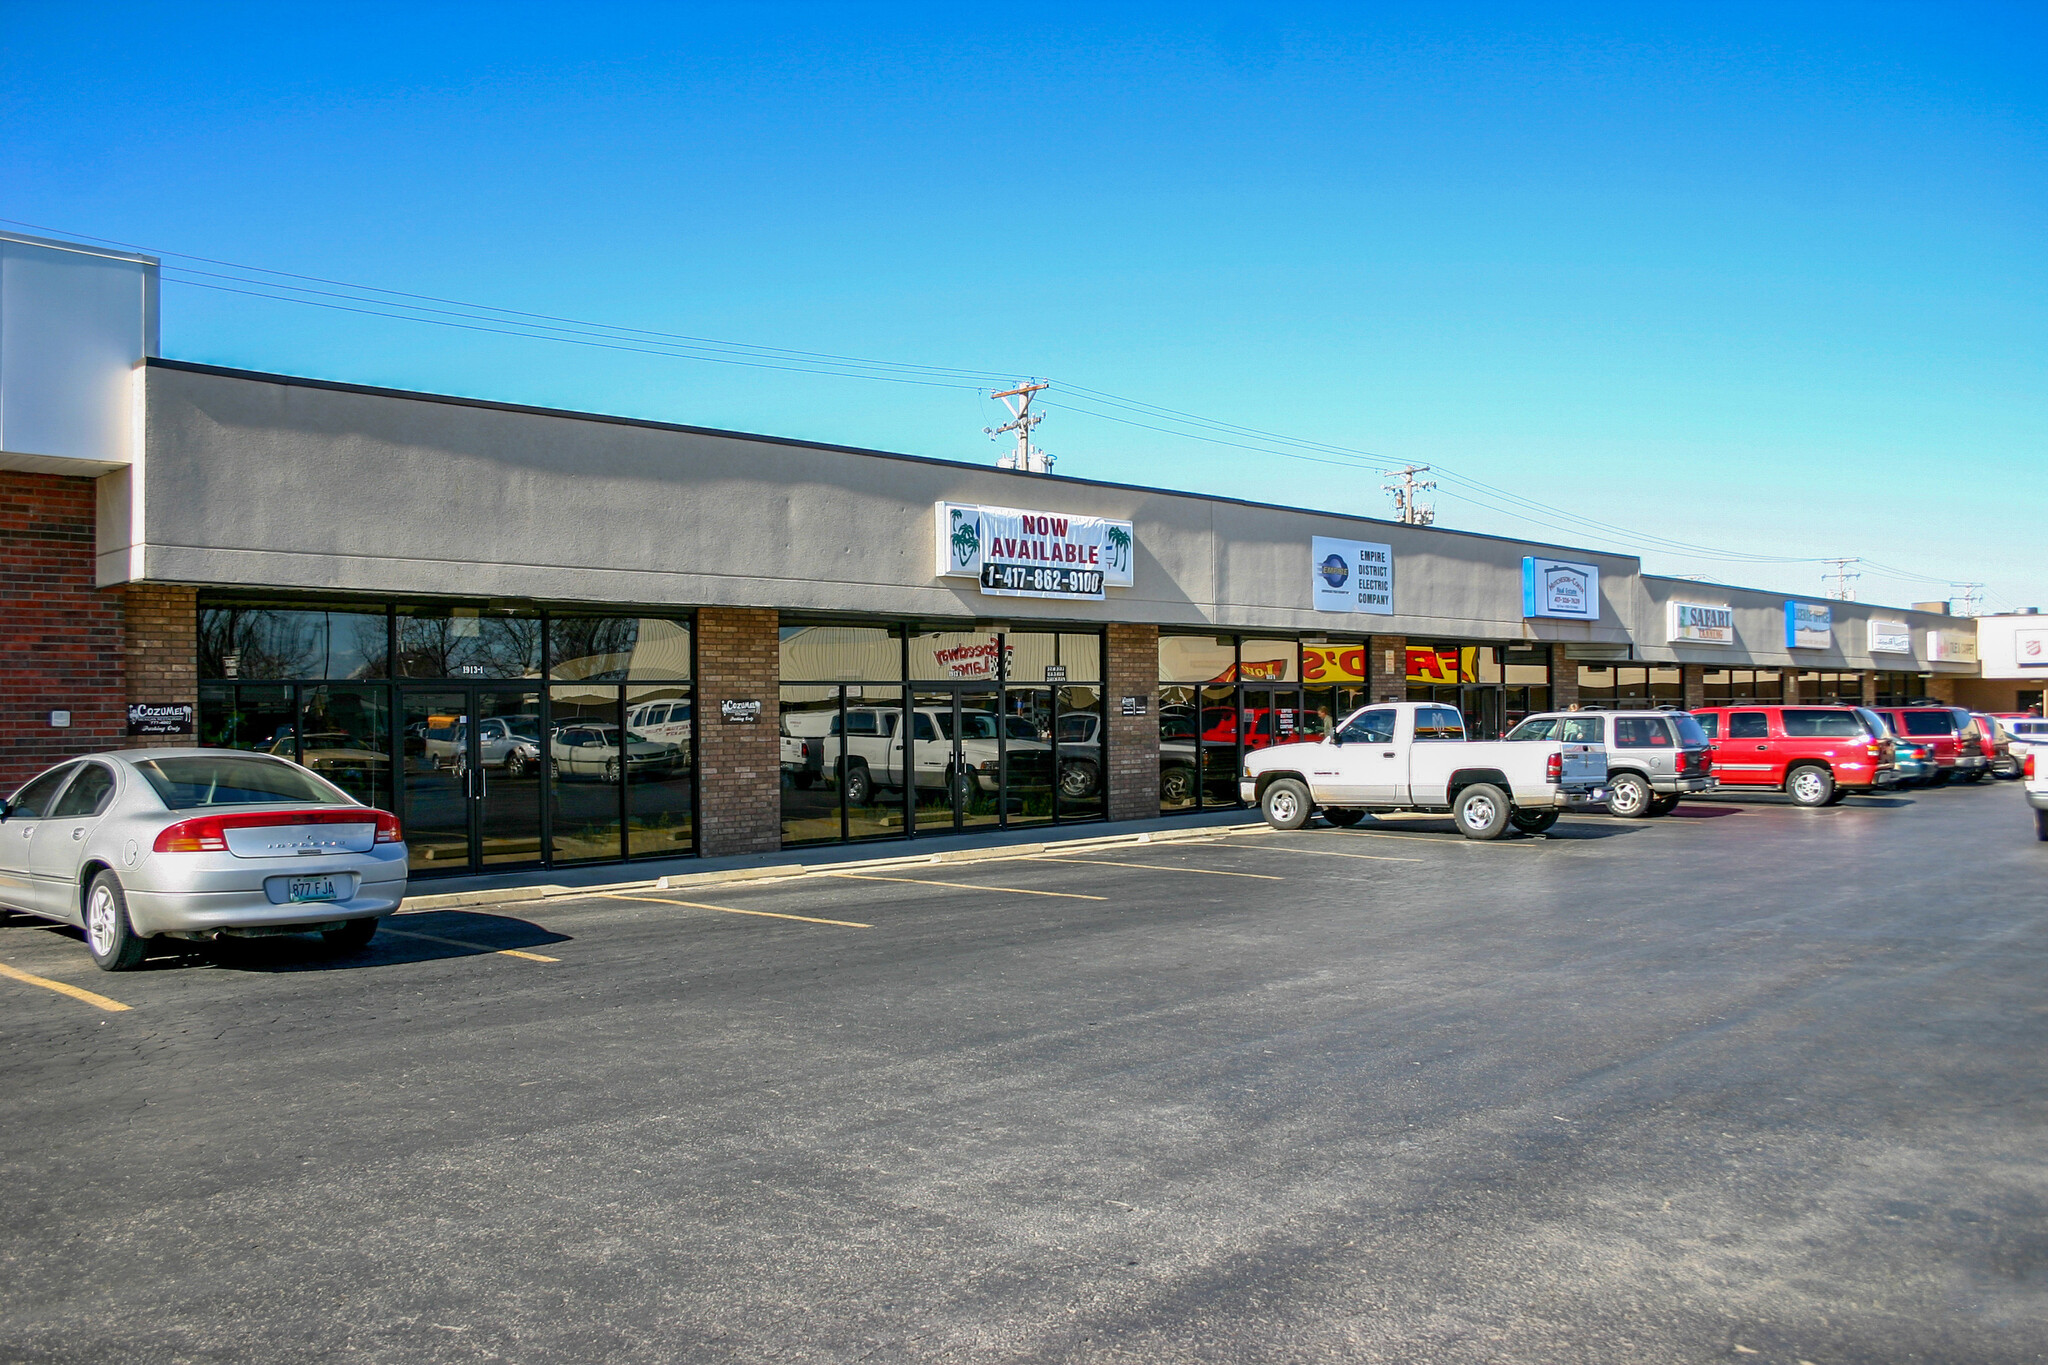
column 400, row 939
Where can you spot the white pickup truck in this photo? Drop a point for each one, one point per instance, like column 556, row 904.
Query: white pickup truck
column 1404, row 755
column 2034, row 767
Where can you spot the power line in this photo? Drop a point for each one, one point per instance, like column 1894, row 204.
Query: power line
column 401, row 305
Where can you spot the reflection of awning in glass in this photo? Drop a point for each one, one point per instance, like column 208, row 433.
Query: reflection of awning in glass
column 661, row 649
column 818, row 653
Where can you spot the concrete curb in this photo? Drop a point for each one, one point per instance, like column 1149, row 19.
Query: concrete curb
column 788, row 871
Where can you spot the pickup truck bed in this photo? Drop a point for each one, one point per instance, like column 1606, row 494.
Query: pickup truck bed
column 1412, row 756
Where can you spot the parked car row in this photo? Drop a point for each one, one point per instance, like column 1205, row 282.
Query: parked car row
column 1385, row 758
column 577, row 748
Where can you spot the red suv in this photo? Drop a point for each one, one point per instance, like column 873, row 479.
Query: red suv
column 1949, row 731
column 1815, row 754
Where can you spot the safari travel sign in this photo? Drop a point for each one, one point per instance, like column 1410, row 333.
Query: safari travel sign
column 1011, row 552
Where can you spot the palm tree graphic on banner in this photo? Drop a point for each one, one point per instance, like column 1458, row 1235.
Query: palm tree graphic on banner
column 1120, row 547
column 966, row 538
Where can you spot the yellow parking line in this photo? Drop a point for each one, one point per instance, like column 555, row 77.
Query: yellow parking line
column 967, row 886
column 477, row 947
column 1332, row 853
column 729, row 910
column 75, row 992
column 1158, row 867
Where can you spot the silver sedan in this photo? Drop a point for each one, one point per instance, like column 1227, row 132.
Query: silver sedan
column 197, row 844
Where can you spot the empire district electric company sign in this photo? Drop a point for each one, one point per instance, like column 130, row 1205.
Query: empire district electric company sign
column 1016, row 553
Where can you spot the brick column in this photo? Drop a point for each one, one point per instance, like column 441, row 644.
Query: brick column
column 1133, row 740
column 1383, row 683
column 163, row 654
column 1788, row 682
column 60, row 636
column 1693, row 678
column 1869, row 688
column 739, row 767
column 1564, row 680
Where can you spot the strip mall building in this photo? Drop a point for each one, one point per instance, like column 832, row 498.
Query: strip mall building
column 548, row 637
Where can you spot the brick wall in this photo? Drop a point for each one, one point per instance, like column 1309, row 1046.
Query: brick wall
column 1133, row 740
column 1869, row 688
column 1384, row 683
column 1789, row 681
column 162, row 652
column 1693, row 679
column 1564, row 680
column 739, row 767
column 60, row 637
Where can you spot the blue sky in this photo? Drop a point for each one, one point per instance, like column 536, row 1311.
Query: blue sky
column 1761, row 280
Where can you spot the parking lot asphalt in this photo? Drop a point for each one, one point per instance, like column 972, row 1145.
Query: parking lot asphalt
column 1750, row 1082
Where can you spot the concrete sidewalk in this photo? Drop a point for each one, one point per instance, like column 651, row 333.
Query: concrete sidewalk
column 672, row 873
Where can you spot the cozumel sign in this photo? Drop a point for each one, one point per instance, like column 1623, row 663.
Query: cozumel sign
column 1014, row 553
column 1809, row 625
column 1558, row 587
column 1697, row 623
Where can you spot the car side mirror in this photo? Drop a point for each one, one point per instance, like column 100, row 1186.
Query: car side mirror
column 5, row 809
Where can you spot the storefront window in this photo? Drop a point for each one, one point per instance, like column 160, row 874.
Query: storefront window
column 1831, row 689
column 585, row 773
column 661, row 780
column 618, row 648
column 263, row 719
column 955, row 656
column 827, row 653
column 467, row 642
column 1744, row 687
column 1269, row 661
column 345, row 736
column 1898, row 689
column 1197, row 658
column 256, row 641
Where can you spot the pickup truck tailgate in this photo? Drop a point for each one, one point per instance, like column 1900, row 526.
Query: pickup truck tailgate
column 1585, row 767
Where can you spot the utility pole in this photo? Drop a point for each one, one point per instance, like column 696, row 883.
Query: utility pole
column 1028, row 458
column 1839, row 590
column 1970, row 592
column 1408, row 511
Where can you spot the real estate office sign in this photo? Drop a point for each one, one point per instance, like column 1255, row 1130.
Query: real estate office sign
column 1011, row 552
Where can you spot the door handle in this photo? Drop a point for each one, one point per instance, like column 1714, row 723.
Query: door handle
column 78, row 833
column 483, row 782
column 1761, row 748
column 1386, row 753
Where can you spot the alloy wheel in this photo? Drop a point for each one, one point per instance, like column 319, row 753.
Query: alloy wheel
column 99, row 920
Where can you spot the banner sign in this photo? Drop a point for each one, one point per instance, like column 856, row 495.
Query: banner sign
column 1450, row 664
column 1951, row 646
column 1809, row 625
column 1332, row 663
column 158, row 718
column 1890, row 637
column 1697, row 623
column 1014, row 553
column 1559, row 587
column 1351, row 575
column 2030, row 648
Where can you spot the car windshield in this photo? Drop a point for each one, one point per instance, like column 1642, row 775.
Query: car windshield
column 1689, row 732
column 1932, row 721
column 635, row 737
column 1542, row 727
column 525, row 729
column 235, row 780
column 973, row 725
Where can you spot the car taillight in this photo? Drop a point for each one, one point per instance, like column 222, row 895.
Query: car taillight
column 1553, row 768
column 209, row 833
column 204, row 835
column 2027, row 766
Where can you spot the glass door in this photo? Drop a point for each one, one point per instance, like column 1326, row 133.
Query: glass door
column 474, row 764
column 956, row 756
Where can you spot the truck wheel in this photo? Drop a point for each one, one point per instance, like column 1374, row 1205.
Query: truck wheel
column 802, row 781
column 2041, row 825
column 1810, row 786
column 1482, row 811
column 1177, row 784
column 109, row 937
column 1077, row 779
column 1533, row 821
column 1286, row 804
column 515, row 764
column 1663, row 805
column 1629, row 797
column 1343, row 819
column 860, row 788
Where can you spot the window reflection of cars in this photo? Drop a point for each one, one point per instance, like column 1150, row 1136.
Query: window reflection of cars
column 1080, row 754
column 665, row 722
column 337, row 757
column 591, row 749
